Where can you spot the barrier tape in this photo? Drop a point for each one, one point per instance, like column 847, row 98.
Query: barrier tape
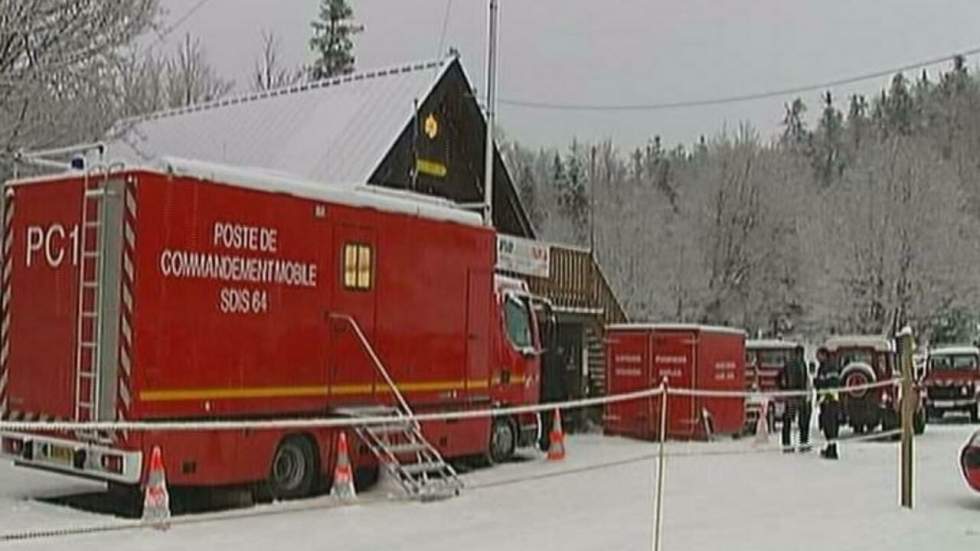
column 347, row 422
column 779, row 393
column 284, row 508
column 320, row 422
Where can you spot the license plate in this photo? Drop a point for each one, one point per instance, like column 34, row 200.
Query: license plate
column 61, row 454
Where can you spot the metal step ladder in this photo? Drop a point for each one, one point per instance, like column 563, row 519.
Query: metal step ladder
column 399, row 444
column 405, row 454
column 91, row 266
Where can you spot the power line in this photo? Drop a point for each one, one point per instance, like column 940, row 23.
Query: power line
column 162, row 35
column 685, row 104
column 445, row 25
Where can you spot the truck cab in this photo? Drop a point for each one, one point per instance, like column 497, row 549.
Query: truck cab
column 952, row 381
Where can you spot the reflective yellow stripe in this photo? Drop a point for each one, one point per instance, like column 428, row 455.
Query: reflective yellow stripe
column 173, row 395
column 176, row 395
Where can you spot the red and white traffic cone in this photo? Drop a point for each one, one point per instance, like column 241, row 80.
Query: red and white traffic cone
column 156, row 499
column 556, row 449
column 343, row 475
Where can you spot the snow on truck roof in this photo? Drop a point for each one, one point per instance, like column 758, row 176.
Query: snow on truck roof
column 674, row 327
column 875, row 342
column 771, row 344
column 951, row 350
column 355, row 195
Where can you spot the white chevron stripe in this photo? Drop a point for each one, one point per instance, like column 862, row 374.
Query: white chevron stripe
column 130, row 236
column 127, row 299
column 8, row 242
column 8, row 268
column 3, row 406
column 130, row 202
column 128, row 266
column 3, row 381
column 127, row 331
column 124, row 360
column 124, row 395
column 6, row 299
column 4, row 352
column 9, row 214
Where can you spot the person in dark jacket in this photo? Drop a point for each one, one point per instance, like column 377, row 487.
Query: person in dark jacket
column 827, row 382
column 794, row 377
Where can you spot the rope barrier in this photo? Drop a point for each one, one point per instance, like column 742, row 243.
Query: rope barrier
column 347, row 422
column 318, row 422
column 779, row 393
column 288, row 508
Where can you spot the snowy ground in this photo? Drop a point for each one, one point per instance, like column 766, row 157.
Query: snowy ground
column 723, row 500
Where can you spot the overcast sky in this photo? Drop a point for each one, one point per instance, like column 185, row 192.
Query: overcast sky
column 615, row 52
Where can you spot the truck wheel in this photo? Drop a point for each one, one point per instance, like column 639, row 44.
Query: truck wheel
column 293, row 471
column 503, row 440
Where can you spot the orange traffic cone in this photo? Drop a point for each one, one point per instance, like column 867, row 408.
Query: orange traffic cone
column 156, row 499
column 343, row 475
column 556, row 451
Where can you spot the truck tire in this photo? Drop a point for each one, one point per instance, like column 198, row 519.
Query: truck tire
column 294, row 470
column 503, row 440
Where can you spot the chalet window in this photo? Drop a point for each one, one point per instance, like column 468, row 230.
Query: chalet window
column 358, row 267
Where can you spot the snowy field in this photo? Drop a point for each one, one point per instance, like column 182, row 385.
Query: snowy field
column 725, row 495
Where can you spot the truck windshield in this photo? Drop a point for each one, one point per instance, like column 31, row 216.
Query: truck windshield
column 518, row 321
column 961, row 362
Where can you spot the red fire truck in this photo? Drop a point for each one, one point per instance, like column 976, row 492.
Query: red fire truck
column 952, row 381
column 764, row 361
column 862, row 360
column 194, row 292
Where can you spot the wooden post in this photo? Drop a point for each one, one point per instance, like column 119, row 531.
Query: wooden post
column 905, row 344
column 658, row 527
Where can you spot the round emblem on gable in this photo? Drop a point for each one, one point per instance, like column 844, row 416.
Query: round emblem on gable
column 431, row 126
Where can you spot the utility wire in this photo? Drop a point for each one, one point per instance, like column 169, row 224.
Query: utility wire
column 162, row 35
column 445, row 25
column 685, row 104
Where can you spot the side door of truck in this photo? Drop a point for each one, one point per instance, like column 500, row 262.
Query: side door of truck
column 354, row 377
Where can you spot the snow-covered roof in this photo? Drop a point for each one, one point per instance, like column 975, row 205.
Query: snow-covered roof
column 875, row 342
column 350, row 194
column 954, row 350
column 333, row 130
column 674, row 327
column 770, row 344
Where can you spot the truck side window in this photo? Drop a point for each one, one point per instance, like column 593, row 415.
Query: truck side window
column 358, row 266
column 518, row 322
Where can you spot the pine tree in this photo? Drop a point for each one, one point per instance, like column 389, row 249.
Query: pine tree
column 827, row 159
column 333, row 40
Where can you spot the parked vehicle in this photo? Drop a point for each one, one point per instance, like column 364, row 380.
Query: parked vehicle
column 764, row 361
column 197, row 292
column 867, row 359
column 970, row 461
column 952, row 381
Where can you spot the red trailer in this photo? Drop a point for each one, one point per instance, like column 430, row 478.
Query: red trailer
column 198, row 292
column 639, row 356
